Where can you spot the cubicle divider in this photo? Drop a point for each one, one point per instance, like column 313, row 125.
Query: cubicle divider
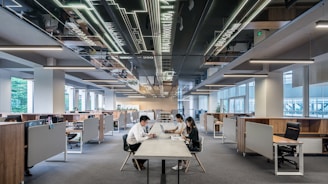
column 90, row 129
column 109, row 124
column 259, row 138
column 45, row 142
column 229, row 130
column 209, row 123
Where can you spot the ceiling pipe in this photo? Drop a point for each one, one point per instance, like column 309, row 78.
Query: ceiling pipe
column 154, row 16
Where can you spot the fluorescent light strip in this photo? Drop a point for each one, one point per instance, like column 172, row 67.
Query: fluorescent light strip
column 199, row 93
column 69, row 67
column 245, row 75
column 235, row 13
column 281, row 61
column 122, row 90
column 114, row 86
column 31, row 47
column 207, row 90
column 100, row 80
column 136, row 97
column 219, row 85
column 322, row 24
column 216, row 63
column 250, row 18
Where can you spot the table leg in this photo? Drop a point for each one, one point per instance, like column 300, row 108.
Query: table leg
column 163, row 176
column 147, row 171
column 179, row 172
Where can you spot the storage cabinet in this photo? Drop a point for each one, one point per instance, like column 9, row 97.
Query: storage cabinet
column 11, row 152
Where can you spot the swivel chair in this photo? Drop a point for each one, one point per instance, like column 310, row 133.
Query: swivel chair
column 126, row 148
column 292, row 132
column 194, row 153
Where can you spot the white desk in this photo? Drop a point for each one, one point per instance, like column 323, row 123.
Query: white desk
column 280, row 141
column 162, row 149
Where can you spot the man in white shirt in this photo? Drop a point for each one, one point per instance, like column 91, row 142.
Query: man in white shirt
column 137, row 135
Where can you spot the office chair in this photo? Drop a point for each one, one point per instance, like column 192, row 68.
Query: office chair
column 126, row 148
column 194, row 153
column 71, row 139
column 292, row 132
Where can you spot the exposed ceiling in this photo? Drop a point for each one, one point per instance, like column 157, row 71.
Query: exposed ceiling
column 156, row 46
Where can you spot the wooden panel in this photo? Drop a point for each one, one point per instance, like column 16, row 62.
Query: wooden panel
column 11, row 153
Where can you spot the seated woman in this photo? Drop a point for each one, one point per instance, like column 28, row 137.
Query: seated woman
column 191, row 139
column 180, row 128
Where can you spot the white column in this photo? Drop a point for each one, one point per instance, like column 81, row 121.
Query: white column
column 76, row 100
column 110, row 100
column 49, row 91
column 269, row 96
column 30, row 89
column 87, row 100
column 5, row 91
column 213, row 101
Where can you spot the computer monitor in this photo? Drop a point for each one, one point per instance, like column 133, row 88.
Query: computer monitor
column 14, row 118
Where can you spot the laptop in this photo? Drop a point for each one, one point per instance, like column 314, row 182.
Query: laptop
column 162, row 128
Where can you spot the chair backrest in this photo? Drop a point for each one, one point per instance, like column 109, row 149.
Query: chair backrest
column 292, row 130
column 125, row 144
column 201, row 143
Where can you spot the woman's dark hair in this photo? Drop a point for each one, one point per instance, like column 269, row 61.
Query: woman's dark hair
column 179, row 116
column 192, row 122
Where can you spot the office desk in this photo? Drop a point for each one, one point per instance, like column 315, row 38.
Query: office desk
column 162, row 149
column 280, row 141
column 259, row 138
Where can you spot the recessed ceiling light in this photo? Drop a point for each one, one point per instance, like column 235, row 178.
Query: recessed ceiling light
column 219, row 85
column 69, row 67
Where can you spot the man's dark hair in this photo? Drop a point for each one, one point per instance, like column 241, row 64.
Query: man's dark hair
column 144, row 118
column 179, row 116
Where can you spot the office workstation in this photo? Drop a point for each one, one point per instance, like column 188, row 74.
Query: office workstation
column 102, row 64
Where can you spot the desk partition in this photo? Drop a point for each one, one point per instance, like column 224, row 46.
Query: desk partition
column 229, row 130
column 45, row 142
column 90, row 129
column 108, row 124
column 259, row 139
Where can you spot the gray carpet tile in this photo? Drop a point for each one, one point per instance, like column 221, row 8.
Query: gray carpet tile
column 100, row 164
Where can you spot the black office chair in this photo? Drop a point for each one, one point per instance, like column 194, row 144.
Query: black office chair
column 71, row 139
column 126, row 148
column 292, row 132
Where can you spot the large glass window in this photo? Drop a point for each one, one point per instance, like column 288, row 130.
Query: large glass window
column 18, row 95
column 293, row 96
column 251, row 96
column 318, row 101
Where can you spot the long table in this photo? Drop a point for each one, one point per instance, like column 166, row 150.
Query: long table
column 162, row 148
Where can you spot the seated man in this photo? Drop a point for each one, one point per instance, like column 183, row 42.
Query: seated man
column 137, row 135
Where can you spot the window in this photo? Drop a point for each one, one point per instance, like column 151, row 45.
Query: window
column 293, row 96
column 18, row 95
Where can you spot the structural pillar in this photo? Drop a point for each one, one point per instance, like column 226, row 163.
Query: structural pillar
column 5, row 91
column 306, row 92
column 109, row 100
column 49, row 91
column 269, row 96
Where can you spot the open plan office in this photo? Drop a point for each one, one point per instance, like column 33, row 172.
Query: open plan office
column 77, row 75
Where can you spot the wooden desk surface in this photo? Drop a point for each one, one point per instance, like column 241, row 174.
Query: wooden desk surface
column 279, row 139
